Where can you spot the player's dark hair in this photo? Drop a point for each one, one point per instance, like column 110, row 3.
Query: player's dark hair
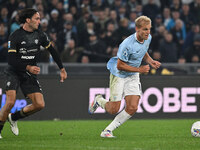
column 26, row 13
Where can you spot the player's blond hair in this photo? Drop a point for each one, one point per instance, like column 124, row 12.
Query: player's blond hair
column 142, row 20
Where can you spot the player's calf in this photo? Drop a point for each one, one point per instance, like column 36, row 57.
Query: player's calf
column 112, row 107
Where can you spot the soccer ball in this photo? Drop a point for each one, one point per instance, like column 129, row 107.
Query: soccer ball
column 195, row 130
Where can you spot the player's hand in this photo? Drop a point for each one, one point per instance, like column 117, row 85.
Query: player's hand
column 155, row 64
column 33, row 69
column 144, row 69
column 63, row 74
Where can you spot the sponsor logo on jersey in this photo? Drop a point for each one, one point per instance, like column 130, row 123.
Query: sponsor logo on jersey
column 22, row 50
column 27, row 57
column 25, row 51
column 9, row 44
column 32, row 50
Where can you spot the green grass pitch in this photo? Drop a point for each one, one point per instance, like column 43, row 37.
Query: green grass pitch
column 84, row 135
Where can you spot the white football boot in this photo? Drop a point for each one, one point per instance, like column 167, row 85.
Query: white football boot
column 13, row 125
column 107, row 134
column 1, row 136
column 94, row 105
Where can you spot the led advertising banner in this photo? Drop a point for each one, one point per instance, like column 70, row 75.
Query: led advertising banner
column 163, row 97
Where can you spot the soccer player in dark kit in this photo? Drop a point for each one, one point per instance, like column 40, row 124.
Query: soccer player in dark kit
column 23, row 54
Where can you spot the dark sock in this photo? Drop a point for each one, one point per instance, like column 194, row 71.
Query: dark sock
column 18, row 115
column 1, row 125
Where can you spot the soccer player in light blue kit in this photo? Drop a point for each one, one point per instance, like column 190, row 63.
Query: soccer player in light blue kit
column 124, row 76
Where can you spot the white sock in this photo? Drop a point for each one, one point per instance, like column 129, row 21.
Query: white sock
column 102, row 102
column 122, row 117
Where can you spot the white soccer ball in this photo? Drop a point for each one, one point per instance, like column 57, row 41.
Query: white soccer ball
column 195, row 130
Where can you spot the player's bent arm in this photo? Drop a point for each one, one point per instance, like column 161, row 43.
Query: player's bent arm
column 123, row 66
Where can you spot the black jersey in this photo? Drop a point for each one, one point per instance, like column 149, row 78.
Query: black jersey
column 24, row 48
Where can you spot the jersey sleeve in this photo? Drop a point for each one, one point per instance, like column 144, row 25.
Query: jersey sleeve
column 55, row 56
column 45, row 42
column 123, row 52
column 12, row 43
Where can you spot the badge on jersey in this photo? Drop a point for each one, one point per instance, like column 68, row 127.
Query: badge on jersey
column 125, row 52
column 9, row 44
column 36, row 41
column 8, row 83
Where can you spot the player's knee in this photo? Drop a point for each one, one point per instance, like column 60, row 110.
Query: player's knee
column 39, row 106
column 10, row 104
column 114, row 110
column 10, row 100
column 131, row 109
column 112, row 107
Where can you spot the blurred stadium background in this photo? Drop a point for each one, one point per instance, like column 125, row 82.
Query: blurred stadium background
column 86, row 33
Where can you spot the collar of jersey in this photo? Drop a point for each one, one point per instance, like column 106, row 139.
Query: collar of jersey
column 137, row 39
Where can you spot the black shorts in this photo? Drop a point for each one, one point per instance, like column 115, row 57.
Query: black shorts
column 26, row 81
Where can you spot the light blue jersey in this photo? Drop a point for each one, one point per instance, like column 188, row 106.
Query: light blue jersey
column 131, row 52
